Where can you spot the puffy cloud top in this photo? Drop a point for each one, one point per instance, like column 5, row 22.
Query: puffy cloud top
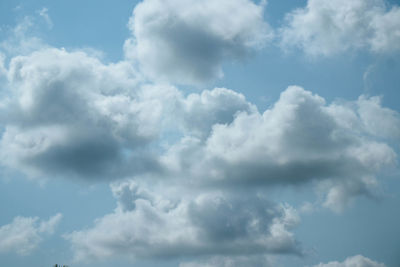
column 284, row 146
column 187, row 41
column 329, row 27
column 355, row 261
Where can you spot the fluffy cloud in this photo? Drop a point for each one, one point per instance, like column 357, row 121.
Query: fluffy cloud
column 67, row 113
column 329, row 27
column 200, row 112
column 24, row 234
column 148, row 225
column 239, row 261
column 285, row 146
column 355, row 261
column 187, row 41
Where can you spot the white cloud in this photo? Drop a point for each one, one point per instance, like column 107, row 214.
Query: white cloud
column 44, row 13
column 219, row 106
column 24, row 234
column 339, row 195
column 284, row 146
column 68, row 113
column 330, row 27
column 379, row 121
column 355, row 261
column 21, row 39
column 148, row 225
column 239, row 261
column 187, row 41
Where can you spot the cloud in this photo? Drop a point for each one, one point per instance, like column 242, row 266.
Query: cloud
column 2, row 67
column 21, row 39
column 44, row 13
column 283, row 146
column 149, row 225
column 24, row 234
column 239, row 261
column 338, row 195
column 67, row 114
column 331, row 27
column 202, row 111
column 187, row 41
column 379, row 121
column 355, row 261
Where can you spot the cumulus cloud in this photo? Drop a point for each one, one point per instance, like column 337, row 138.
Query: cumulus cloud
column 200, row 112
column 355, row 261
column 238, row 261
column 330, row 27
column 149, row 225
column 284, row 146
column 187, row 41
column 67, row 113
column 24, row 234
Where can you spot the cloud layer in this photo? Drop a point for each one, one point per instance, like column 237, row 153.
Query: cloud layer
column 199, row 165
column 24, row 234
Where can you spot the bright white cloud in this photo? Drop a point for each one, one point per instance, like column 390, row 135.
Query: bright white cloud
column 201, row 112
column 187, row 41
column 329, row 27
column 284, row 146
column 355, row 261
column 148, row 225
column 24, row 234
column 67, row 113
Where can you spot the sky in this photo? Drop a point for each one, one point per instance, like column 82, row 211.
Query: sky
column 185, row 133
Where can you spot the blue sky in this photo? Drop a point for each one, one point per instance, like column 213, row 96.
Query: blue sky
column 200, row 133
